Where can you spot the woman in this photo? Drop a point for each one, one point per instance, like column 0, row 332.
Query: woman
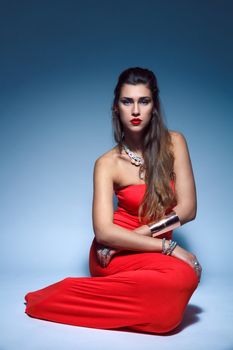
column 141, row 279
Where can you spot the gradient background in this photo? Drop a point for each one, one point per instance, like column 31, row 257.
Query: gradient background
column 60, row 61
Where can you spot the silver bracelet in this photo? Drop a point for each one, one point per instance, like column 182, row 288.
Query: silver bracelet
column 170, row 221
column 171, row 247
column 163, row 246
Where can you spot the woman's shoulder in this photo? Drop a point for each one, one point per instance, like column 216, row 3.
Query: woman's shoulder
column 176, row 135
column 179, row 143
column 106, row 164
column 108, row 158
column 177, row 138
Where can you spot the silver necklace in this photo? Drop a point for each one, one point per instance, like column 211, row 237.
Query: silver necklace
column 135, row 159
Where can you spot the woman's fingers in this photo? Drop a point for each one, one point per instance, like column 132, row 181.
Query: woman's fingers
column 199, row 272
column 99, row 256
column 107, row 260
column 104, row 255
column 189, row 258
column 196, row 265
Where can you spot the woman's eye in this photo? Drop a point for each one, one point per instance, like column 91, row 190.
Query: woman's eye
column 125, row 102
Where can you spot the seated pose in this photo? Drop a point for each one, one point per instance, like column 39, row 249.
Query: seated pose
column 141, row 279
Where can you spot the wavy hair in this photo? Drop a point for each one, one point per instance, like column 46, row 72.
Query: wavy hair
column 159, row 197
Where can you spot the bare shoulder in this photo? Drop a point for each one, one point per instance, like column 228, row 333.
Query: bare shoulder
column 181, row 152
column 177, row 137
column 178, row 140
column 108, row 158
column 106, row 163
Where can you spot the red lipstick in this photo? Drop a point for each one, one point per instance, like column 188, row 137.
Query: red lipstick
column 135, row 121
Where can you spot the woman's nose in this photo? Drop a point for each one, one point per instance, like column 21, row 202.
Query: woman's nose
column 135, row 110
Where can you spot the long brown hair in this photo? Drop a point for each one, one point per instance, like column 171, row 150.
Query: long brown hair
column 157, row 150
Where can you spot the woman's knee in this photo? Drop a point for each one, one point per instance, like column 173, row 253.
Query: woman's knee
column 164, row 323
column 189, row 276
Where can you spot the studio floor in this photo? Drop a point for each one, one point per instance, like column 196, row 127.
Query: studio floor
column 207, row 322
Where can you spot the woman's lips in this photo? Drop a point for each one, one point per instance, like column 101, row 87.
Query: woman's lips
column 135, row 121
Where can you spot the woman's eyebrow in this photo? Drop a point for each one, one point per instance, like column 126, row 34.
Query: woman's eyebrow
column 131, row 99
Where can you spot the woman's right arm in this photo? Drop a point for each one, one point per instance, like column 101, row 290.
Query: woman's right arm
column 106, row 232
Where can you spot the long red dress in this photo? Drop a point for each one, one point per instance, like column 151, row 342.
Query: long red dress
column 137, row 291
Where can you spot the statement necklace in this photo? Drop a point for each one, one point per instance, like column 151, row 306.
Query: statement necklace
column 135, row 159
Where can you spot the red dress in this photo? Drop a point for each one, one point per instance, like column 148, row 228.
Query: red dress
column 138, row 291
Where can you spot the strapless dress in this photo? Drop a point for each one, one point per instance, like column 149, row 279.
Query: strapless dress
column 138, row 291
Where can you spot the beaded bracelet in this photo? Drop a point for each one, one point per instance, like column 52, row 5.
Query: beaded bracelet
column 163, row 245
column 171, row 247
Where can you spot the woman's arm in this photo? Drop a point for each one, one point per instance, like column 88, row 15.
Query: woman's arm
column 185, row 188
column 106, row 232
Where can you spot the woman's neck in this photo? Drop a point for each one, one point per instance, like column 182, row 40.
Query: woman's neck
column 134, row 142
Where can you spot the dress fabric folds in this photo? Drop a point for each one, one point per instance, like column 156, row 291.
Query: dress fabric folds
column 138, row 291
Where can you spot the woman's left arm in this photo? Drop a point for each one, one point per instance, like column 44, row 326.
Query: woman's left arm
column 185, row 188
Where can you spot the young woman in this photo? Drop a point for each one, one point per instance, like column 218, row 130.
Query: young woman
column 141, row 280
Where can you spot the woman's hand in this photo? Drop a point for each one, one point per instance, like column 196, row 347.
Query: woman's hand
column 189, row 258
column 105, row 253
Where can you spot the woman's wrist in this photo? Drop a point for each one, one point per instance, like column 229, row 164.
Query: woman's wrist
column 167, row 223
column 168, row 246
column 143, row 230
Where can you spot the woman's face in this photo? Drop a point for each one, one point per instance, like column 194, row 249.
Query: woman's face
column 135, row 106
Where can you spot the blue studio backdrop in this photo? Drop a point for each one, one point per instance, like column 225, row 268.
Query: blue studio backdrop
column 59, row 66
